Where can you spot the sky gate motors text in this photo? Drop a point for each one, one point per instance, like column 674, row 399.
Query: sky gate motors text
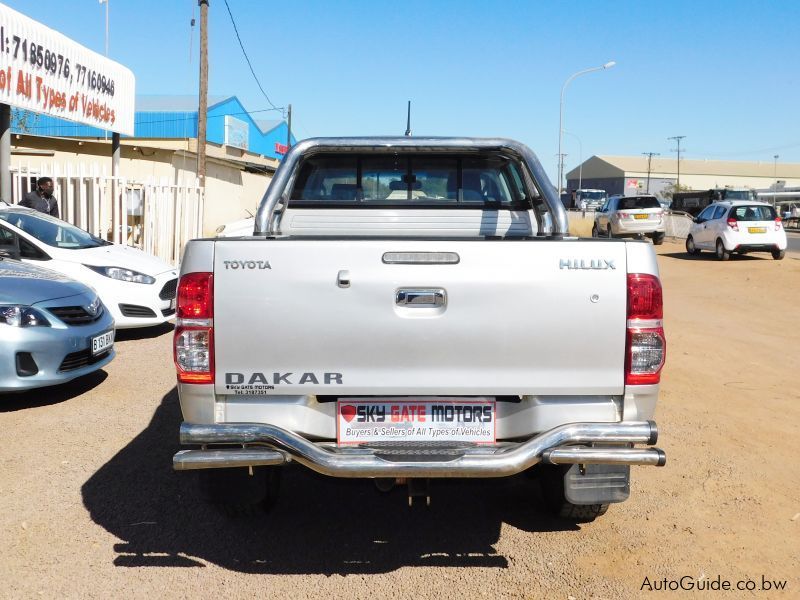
column 435, row 413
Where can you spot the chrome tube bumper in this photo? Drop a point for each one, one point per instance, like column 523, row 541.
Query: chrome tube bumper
column 567, row 444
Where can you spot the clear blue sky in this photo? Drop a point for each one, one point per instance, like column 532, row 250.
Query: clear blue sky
column 725, row 74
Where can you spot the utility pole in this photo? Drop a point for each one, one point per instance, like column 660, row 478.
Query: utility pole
column 202, row 108
column 561, row 157
column 678, row 139
column 5, row 153
column 289, row 131
column 408, row 120
column 649, row 156
column 775, row 173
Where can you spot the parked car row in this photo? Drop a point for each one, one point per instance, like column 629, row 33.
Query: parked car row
column 64, row 292
column 724, row 227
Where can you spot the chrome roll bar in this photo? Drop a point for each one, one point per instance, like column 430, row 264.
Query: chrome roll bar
column 278, row 190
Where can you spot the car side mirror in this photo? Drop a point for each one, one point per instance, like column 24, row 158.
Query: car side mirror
column 698, row 220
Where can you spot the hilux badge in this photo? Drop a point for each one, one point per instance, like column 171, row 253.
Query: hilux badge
column 597, row 264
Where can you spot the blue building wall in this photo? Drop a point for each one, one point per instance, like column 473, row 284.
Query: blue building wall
column 261, row 142
column 172, row 124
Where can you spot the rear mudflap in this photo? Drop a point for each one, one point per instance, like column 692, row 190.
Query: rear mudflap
column 597, row 484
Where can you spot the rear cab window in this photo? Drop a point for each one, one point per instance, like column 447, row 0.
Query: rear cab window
column 752, row 213
column 638, row 202
column 410, row 180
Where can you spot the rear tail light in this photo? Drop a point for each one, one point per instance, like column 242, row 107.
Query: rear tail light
column 193, row 343
column 733, row 224
column 623, row 215
column 645, row 344
column 778, row 224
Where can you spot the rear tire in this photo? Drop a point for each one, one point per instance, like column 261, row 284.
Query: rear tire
column 239, row 494
column 722, row 254
column 552, row 483
column 608, row 231
column 690, row 247
column 595, row 233
column 778, row 254
column 658, row 238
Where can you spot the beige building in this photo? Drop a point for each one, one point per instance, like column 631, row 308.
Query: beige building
column 235, row 179
column 629, row 175
column 155, row 201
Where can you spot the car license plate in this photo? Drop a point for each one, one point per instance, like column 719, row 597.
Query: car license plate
column 640, row 216
column 757, row 229
column 387, row 420
column 101, row 343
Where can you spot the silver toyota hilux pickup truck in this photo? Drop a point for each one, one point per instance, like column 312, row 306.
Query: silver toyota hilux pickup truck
column 414, row 308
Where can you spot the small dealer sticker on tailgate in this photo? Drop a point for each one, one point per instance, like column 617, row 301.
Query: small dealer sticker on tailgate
column 409, row 420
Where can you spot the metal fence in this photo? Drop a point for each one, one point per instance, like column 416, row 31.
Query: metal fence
column 154, row 215
column 677, row 224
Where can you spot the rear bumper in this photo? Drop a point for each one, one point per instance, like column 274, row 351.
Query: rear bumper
column 261, row 444
column 640, row 228
column 756, row 248
column 742, row 242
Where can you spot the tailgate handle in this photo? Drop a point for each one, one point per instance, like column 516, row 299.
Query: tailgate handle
column 421, row 298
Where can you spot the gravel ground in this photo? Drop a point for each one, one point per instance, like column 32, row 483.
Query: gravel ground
column 92, row 509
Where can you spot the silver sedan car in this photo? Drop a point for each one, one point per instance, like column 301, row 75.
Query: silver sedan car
column 631, row 216
column 52, row 329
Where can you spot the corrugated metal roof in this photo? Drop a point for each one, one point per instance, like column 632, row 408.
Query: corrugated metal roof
column 266, row 125
column 668, row 165
column 170, row 103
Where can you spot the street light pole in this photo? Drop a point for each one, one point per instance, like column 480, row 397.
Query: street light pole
column 580, row 158
column 608, row 65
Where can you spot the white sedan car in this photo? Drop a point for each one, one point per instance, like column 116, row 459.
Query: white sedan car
column 137, row 288
column 241, row 228
column 737, row 226
column 630, row 216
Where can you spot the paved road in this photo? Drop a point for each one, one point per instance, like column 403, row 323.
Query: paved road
column 92, row 508
column 793, row 239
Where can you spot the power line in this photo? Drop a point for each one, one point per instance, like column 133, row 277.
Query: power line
column 236, row 30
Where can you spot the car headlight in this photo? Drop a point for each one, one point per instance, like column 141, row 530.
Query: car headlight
column 22, row 316
column 122, row 274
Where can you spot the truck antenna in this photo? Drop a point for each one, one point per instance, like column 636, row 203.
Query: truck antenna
column 408, row 121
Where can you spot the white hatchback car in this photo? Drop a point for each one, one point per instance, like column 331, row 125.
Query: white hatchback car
column 630, row 216
column 137, row 288
column 737, row 226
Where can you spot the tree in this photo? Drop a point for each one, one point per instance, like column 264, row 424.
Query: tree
column 667, row 191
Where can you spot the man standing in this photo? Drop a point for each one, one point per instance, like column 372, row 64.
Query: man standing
column 42, row 198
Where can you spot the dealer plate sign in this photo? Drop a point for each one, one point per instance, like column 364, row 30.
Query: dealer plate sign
column 361, row 421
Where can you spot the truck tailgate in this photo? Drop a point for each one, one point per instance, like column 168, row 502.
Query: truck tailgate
column 326, row 316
